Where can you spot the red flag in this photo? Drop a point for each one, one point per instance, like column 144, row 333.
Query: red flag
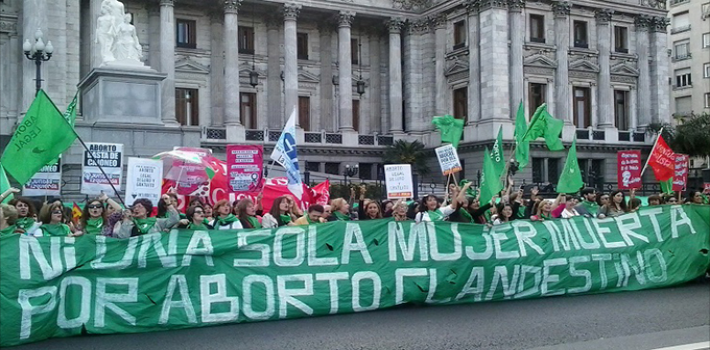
column 76, row 213
column 662, row 160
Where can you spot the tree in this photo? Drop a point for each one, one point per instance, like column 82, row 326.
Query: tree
column 404, row 152
column 691, row 136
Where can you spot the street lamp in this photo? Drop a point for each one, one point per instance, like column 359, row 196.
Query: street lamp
column 350, row 171
column 253, row 75
column 39, row 52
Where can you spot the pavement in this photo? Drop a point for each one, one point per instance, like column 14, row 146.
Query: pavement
column 669, row 319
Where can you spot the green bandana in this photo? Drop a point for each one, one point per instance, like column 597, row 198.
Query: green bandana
column 341, row 216
column 227, row 220
column 285, row 218
column 8, row 230
column 465, row 214
column 308, row 218
column 546, row 217
column 192, row 226
column 144, row 225
column 56, row 230
column 435, row 215
column 94, row 226
column 25, row 223
column 254, row 222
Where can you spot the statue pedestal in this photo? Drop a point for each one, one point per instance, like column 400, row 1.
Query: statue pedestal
column 122, row 94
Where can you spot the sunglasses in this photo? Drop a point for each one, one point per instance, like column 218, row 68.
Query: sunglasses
column 57, row 212
column 199, row 212
column 95, row 206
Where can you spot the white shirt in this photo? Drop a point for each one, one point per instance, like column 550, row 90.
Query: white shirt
column 445, row 212
column 566, row 214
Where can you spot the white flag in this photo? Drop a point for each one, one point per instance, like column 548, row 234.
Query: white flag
column 285, row 154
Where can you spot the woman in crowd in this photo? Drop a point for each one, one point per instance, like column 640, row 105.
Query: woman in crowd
column 294, row 210
column 328, row 213
column 387, row 207
column 225, row 220
column 634, row 205
column 543, row 211
column 367, row 209
column 341, row 209
column 430, row 210
column 616, row 206
column 137, row 221
column 248, row 213
column 209, row 212
column 481, row 213
column 314, row 216
column 164, row 202
column 654, row 200
column 95, row 214
column 569, row 211
column 399, row 211
column 602, row 199
column 52, row 218
column 279, row 215
column 670, row 199
column 695, row 197
column 462, row 213
column 26, row 216
column 195, row 219
column 505, row 214
column 8, row 218
column 532, row 205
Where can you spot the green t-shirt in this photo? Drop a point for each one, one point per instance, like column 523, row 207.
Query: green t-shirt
column 592, row 207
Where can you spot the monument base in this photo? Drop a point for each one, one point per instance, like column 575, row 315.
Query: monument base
column 122, row 94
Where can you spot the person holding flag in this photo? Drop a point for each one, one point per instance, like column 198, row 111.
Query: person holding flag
column 286, row 155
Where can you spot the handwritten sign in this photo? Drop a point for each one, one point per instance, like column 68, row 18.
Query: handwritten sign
column 110, row 157
column 245, row 168
column 398, row 178
column 46, row 182
column 448, row 160
column 144, row 180
column 629, row 169
column 680, row 175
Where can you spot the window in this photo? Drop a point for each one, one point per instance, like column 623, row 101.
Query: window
column 546, row 170
column 356, row 115
column 365, row 172
column 706, row 70
column 707, row 100
column 682, row 78
column 682, row 50
column 706, row 40
column 592, row 171
column 354, row 51
column 332, row 168
column 582, row 107
column 705, row 9
column 302, row 46
column 681, row 22
column 461, row 103
column 553, row 170
column 459, row 34
column 186, row 33
column 187, row 111
column 537, row 28
column 580, row 34
column 313, row 166
column 304, row 113
column 247, row 110
column 538, row 170
column 536, row 96
column 621, row 109
column 246, row 40
column 621, row 39
column 683, row 105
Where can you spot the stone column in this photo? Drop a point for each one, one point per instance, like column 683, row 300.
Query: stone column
column 273, row 74
column 659, row 71
column 345, row 72
column 231, row 62
column 153, row 36
column 561, row 11
column 441, row 99
column 291, row 12
column 167, row 61
column 495, row 91
column 325, row 29
column 474, row 61
column 412, row 75
column 394, row 26
column 642, row 23
column 217, row 68
column 517, row 33
column 34, row 16
column 605, row 91
column 633, row 108
column 375, row 80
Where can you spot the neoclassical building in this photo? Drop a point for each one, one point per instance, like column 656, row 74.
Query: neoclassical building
column 360, row 74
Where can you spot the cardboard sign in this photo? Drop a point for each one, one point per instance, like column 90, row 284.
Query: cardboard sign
column 46, row 182
column 680, row 176
column 628, row 169
column 144, row 180
column 110, row 157
column 245, row 168
column 448, row 160
column 398, row 178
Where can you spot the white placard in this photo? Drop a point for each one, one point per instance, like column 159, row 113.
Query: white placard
column 110, row 157
column 144, row 180
column 46, row 182
column 448, row 160
column 398, row 178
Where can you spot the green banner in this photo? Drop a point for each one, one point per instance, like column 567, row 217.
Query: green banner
column 57, row 287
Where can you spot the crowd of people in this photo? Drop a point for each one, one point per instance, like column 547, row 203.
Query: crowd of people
column 104, row 216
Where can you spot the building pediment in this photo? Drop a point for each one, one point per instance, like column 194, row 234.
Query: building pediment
column 624, row 69
column 539, row 60
column 187, row 65
column 245, row 69
column 307, row 77
column 456, row 67
column 584, row 66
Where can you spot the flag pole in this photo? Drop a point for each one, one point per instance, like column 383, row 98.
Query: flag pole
column 660, row 132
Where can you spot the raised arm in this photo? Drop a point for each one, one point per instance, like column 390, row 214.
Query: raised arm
column 7, row 193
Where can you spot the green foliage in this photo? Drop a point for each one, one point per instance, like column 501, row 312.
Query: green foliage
column 404, row 152
column 691, row 136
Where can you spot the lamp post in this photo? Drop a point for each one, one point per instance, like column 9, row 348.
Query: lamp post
column 350, row 171
column 253, row 75
column 39, row 52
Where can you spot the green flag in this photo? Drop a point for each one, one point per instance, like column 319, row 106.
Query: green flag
column 40, row 138
column 497, row 153
column 70, row 113
column 4, row 184
column 544, row 125
column 667, row 186
column 490, row 182
column 451, row 129
column 571, row 178
column 522, row 148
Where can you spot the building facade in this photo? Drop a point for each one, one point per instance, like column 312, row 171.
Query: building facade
column 361, row 74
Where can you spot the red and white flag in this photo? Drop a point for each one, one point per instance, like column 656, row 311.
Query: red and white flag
column 662, row 160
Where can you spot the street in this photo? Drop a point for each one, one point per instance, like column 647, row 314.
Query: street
column 651, row 319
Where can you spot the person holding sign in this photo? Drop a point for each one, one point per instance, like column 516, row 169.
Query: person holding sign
column 225, row 220
column 248, row 213
column 195, row 219
column 95, row 214
column 137, row 221
column 367, row 209
column 279, row 215
column 52, row 218
column 431, row 211
column 462, row 214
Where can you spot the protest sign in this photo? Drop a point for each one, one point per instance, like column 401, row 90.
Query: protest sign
column 144, row 180
column 680, row 176
column 628, row 165
column 245, row 168
column 448, row 160
column 110, row 157
column 46, row 182
column 59, row 286
column 398, row 178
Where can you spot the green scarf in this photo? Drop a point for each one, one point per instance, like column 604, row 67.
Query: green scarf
column 308, row 218
column 435, row 215
column 465, row 214
column 56, row 230
column 546, row 217
column 341, row 216
column 285, row 218
column 25, row 223
column 192, row 226
column 227, row 220
column 8, row 230
column 94, row 226
column 144, row 225
column 253, row 221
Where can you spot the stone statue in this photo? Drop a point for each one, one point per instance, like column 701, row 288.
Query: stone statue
column 127, row 47
column 105, row 35
column 116, row 36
